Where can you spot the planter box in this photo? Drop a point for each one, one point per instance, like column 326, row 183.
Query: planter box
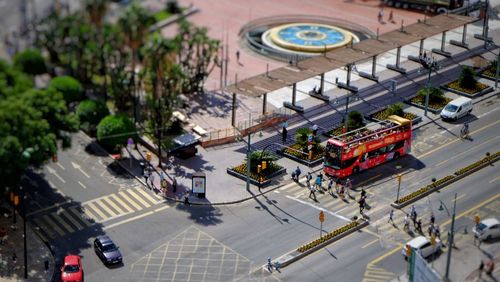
column 415, row 120
column 434, row 111
column 266, row 182
column 477, row 94
column 300, row 160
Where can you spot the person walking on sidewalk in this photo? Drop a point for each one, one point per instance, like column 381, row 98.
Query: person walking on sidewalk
column 430, row 230
column 330, row 184
column 152, row 179
column 391, row 216
column 313, row 193
column 308, row 179
column 480, row 269
column 433, row 219
column 419, row 226
column 319, row 179
column 406, row 222
column 174, row 185
column 269, row 265
column 361, row 205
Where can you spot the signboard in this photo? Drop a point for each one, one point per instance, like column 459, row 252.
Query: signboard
column 321, row 216
column 199, row 183
column 422, row 271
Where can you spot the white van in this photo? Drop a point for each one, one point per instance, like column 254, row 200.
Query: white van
column 457, row 108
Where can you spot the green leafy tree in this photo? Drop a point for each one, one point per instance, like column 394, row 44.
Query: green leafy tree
column 436, row 95
column 30, row 61
column 467, row 78
column 256, row 156
column 396, row 109
column 113, row 132
column 69, row 87
column 90, row 113
column 302, row 135
column 12, row 81
column 355, row 120
column 197, row 55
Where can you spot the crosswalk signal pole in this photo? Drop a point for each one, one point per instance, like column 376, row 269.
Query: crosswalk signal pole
column 399, row 186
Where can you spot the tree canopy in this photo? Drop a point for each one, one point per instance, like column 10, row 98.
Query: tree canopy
column 114, row 130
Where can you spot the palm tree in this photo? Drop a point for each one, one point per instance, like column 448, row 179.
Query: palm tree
column 96, row 9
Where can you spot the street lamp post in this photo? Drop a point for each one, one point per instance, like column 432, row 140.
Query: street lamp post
column 450, row 236
column 399, row 186
column 26, row 155
column 430, row 64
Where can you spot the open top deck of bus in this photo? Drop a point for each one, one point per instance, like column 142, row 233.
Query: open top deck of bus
column 371, row 131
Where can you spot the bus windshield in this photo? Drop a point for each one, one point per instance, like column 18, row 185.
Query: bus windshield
column 333, row 156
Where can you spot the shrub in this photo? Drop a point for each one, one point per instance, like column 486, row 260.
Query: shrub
column 30, row 61
column 436, row 95
column 114, row 130
column 70, row 88
column 354, row 120
column 396, row 109
column 90, row 113
column 467, row 78
column 255, row 157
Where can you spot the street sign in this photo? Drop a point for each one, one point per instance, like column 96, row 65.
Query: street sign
column 321, row 216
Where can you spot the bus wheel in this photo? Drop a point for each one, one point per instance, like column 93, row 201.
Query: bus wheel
column 396, row 156
column 355, row 170
column 442, row 10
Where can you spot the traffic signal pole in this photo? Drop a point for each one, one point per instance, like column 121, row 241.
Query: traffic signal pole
column 450, row 240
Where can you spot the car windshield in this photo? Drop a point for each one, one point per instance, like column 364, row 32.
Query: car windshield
column 481, row 226
column 71, row 268
column 451, row 108
column 109, row 248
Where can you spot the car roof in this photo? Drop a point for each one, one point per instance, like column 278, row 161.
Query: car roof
column 71, row 259
column 104, row 239
column 460, row 101
column 418, row 242
column 490, row 221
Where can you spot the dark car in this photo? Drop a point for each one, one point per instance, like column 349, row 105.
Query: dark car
column 107, row 250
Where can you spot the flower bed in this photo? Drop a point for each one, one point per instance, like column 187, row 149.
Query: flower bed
column 424, row 189
column 273, row 170
column 336, row 131
column 477, row 164
column 455, row 87
column 434, row 107
column 296, row 152
column 328, row 236
column 489, row 72
column 383, row 114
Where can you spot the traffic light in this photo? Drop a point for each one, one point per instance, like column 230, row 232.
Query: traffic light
column 16, row 200
column 477, row 219
column 54, row 158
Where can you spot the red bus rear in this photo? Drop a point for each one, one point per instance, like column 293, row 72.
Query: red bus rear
column 367, row 147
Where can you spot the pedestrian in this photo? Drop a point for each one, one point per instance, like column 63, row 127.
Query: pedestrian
column 330, row 184
column 341, row 192
column 406, row 222
column 481, row 267
column 318, row 181
column 308, row 179
column 412, row 210
column 186, row 199
column 433, row 219
column 315, row 127
column 489, row 267
column 363, row 193
column 348, row 183
column 337, row 184
column 296, row 174
column 284, row 134
column 414, row 218
column 269, row 265
column 312, row 192
column 391, row 216
column 361, row 205
column 152, row 179
column 437, row 233
column 238, row 56
column 430, row 230
column 391, row 17
column 381, row 15
column 419, row 226
column 174, row 185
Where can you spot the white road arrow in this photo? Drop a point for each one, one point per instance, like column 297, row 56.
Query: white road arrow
column 52, row 171
column 77, row 166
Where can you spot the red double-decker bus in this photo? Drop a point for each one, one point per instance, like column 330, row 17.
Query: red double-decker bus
column 367, row 147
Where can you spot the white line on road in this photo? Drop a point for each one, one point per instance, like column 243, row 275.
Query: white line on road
column 52, row 171
column 59, row 165
column 493, row 180
column 78, row 167
column 81, row 184
column 319, row 208
column 127, row 220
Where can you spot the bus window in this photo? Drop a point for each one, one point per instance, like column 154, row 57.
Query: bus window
column 333, row 156
column 399, row 144
column 382, row 150
column 390, row 147
column 349, row 162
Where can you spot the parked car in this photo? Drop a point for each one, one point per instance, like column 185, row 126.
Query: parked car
column 423, row 245
column 107, row 250
column 487, row 229
column 72, row 269
column 457, row 108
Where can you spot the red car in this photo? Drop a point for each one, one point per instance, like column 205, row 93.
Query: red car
column 72, row 269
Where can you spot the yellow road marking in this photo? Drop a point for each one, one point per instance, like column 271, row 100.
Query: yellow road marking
column 56, row 227
column 147, row 196
column 377, row 260
column 138, row 198
column 128, row 220
column 467, row 151
column 493, row 180
column 369, row 179
column 162, row 208
column 471, row 209
column 68, row 216
column 129, row 200
column 76, row 213
column 460, row 197
column 41, row 224
column 62, row 222
column 113, row 205
column 94, row 208
column 456, row 140
column 102, row 205
column 369, row 243
column 121, row 203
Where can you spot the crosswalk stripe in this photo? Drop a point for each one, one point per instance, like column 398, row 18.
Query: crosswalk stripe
column 298, row 193
column 101, row 204
column 40, row 223
column 61, row 220
column 129, row 200
column 113, row 205
column 138, row 198
column 67, row 215
column 119, row 201
column 40, row 234
column 79, row 215
column 93, row 208
column 56, row 227
column 147, row 196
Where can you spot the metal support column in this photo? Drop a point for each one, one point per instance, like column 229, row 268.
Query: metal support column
column 347, row 85
column 294, row 93
column 484, row 35
column 397, row 67
column 442, row 51
column 420, row 52
column 462, row 44
column 322, row 86
column 264, row 104
column 292, row 105
column 371, row 76
column 233, row 117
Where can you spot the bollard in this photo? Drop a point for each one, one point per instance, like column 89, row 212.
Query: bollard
column 46, row 265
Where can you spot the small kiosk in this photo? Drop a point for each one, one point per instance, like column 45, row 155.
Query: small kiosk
column 199, row 184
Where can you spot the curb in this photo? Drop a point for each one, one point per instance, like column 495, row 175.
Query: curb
column 446, row 183
column 294, row 255
column 173, row 19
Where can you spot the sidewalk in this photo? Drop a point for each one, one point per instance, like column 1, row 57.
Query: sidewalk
column 38, row 252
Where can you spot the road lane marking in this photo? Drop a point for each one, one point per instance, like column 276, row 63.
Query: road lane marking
column 66, row 214
column 93, row 208
column 470, row 210
column 162, row 208
column 59, row 219
column 380, row 258
column 467, row 151
column 127, row 220
column 147, row 196
column 138, row 198
column 369, row 243
column 81, row 184
column 40, row 223
column 114, row 206
column 121, row 203
column 319, row 208
column 59, row 165
column 493, row 180
column 129, row 200
column 101, row 204
column 79, row 215
column 368, row 180
column 456, row 140
column 52, row 171
column 48, row 208
column 459, row 197
column 78, row 167
column 56, row 227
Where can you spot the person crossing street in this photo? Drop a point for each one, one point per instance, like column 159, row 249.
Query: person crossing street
column 406, row 223
column 391, row 216
column 313, row 193
column 330, row 184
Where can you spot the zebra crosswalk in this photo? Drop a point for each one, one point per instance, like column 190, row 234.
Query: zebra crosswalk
column 377, row 274
column 347, row 207
column 69, row 219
